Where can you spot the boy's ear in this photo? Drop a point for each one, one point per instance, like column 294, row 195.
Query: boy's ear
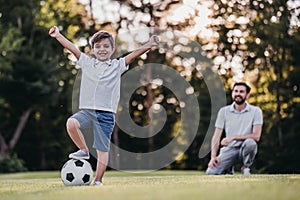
column 92, row 53
column 113, row 51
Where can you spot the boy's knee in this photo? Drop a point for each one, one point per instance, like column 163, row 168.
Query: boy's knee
column 72, row 124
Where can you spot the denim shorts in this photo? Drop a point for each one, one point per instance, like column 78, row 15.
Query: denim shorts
column 99, row 123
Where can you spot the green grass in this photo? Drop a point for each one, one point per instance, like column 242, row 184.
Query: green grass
column 183, row 185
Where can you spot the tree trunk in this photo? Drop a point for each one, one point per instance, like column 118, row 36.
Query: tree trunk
column 278, row 116
column 3, row 147
column 115, row 154
column 19, row 129
column 279, row 83
column 6, row 149
column 150, row 114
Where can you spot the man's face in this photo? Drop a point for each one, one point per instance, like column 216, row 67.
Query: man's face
column 239, row 94
column 103, row 50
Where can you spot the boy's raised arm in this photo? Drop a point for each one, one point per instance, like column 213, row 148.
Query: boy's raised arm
column 154, row 40
column 54, row 32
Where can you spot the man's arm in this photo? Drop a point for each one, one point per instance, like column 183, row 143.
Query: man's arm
column 255, row 135
column 54, row 32
column 138, row 52
column 215, row 145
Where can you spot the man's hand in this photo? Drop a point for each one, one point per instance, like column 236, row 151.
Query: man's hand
column 226, row 141
column 214, row 162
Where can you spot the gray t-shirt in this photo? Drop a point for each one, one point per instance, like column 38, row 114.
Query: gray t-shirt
column 100, row 83
column 237, row 123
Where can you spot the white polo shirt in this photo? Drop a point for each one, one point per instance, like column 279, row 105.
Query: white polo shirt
column 100, row 83
column 237, row 123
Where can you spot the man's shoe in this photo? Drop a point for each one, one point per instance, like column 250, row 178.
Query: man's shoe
column 230, row 171
column 80, row 154
column 246, row 171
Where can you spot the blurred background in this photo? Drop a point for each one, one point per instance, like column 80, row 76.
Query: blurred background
column 256, row 41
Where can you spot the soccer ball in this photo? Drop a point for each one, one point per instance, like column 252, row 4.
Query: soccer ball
column 76, row 172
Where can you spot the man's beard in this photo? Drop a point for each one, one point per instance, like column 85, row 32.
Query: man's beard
column 240, row 101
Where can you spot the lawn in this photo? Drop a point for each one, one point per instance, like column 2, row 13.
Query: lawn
column 183, row 185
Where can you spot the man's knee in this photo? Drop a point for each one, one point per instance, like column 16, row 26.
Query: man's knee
column 250, row 144
column 212, row 171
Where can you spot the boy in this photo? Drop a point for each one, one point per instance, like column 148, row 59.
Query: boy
column 99, row 94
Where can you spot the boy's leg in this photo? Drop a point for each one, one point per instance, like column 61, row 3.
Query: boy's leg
column 103, row 128
column 101, row 165
column 227, row 157
column 73, row 128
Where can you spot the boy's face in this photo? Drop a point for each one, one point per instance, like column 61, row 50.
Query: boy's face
column 103, row 49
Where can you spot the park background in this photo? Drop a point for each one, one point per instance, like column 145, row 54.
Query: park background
column 255, row 41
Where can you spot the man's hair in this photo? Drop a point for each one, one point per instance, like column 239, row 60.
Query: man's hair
column 100, row 35
column 248, row 88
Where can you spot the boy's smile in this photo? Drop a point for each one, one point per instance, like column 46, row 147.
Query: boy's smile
column 103, row 50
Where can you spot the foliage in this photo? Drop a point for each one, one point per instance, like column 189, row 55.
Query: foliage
column 262, row 35
column 12, row 164
column 254, row 41
column 34, row 76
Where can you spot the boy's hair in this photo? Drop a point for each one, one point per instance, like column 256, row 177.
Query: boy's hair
column 100, row 35
column 248, row 88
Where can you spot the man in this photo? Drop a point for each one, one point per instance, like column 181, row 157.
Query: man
column 242, row 124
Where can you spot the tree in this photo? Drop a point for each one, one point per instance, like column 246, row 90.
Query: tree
column 157, row 18
column 36, row 81
column 277, row 35
column 257, row 43
column 9, row 47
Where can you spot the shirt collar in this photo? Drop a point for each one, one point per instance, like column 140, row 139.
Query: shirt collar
column 246, row 109
column 108, row 63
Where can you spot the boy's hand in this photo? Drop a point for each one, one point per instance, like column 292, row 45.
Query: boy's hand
column 154, row 40
column 54, row 31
